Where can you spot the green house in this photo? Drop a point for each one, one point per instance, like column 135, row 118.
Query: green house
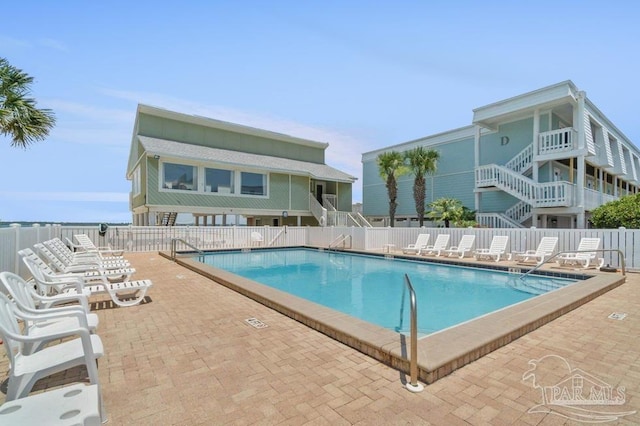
column 212, row 169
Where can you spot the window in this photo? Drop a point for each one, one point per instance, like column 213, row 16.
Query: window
column 218, row 180
column 180, row 176
column 253, row 183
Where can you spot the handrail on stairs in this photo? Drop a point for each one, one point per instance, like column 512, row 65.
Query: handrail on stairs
column 620, row 258
column 273, row 240
column 174, row 242
column 341, row 239
column 413, row 385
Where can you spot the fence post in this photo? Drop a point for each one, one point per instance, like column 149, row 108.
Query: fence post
column 16, row 241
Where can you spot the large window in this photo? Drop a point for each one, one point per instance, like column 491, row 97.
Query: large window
column 180, row 176
column 218, row 180
column 253, row 183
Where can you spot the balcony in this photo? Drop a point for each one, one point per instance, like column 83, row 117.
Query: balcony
column 556, row 143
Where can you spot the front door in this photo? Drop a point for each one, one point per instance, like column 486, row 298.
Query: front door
column 319, row 192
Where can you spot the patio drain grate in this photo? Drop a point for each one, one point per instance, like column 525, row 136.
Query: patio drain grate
column 256, row 323
column 617, row 316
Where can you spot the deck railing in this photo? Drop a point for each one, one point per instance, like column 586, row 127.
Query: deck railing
column 547, row 194
column 557, row 141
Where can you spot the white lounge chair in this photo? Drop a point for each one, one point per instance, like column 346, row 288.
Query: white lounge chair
column 414, row 248
column 90, row 270
column 43, row 321
column 122, row 293
column 85, row 244
column 583, row 256
column 441, row 243
column 464, row 246
column 546, row 247
column 497, row 249
column 62, row 252
column 26, row 369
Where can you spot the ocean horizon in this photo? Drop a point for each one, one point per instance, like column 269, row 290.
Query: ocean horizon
column 31, row 223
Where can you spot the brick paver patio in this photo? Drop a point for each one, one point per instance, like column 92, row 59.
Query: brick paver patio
column 188, row 357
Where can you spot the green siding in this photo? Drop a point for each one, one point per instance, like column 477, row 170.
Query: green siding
column 299, row 193
column 164, row 128
column 345, row 197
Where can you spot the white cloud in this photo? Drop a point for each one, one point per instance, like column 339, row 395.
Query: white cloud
column 111, row 115
column 12, row 43
column 107, row 197
column 86, row 124
column 53, row 44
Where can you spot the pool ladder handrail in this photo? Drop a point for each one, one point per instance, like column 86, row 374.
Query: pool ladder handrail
column 413, row 385
column 174, row 242
column 620, row 258
column 341, row 239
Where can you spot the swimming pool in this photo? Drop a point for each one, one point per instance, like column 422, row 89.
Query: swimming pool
column 372, row 288
column 439, row 353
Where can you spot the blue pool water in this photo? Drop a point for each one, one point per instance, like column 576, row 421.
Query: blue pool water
column 372, row 288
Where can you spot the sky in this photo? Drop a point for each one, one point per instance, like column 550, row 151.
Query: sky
column 359, row 75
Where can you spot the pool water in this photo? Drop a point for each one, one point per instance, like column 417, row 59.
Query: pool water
column 372, row 288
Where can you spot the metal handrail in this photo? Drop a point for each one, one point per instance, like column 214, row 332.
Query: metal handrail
column 341, row 239
column 620, row 258
column 273, row 240
column 174, row 241
column 413, row 385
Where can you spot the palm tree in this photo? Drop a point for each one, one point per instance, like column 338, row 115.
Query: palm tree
column 19, row 117
column 422, row 162
column 446, row 210
column 391, row 166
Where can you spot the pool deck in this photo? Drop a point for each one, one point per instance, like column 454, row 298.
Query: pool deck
column 189, row 357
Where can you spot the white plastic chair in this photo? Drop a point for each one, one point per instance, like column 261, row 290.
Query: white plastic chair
column 43, row 321
column 496, row 250
column 545, row 249
column 421, row 241
column 26, row 369
column 77, row 404
column 256, row 238
column 583, row 257
column 441, row 243
column 464, row 246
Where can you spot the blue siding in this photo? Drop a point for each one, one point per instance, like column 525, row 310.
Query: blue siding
column 496, row 202
column 454, row 178
column 492, row 147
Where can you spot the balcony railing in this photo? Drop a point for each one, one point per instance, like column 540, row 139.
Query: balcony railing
column 557, row 141
column 593, row 199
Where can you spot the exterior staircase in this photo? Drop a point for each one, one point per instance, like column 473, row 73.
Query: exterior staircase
column 511, row 179
column 328, row 215
column 169, row 218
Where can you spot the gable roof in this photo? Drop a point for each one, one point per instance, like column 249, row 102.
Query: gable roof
column 175, row 149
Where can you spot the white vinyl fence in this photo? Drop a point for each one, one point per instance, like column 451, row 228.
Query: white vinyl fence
column 158, row 238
